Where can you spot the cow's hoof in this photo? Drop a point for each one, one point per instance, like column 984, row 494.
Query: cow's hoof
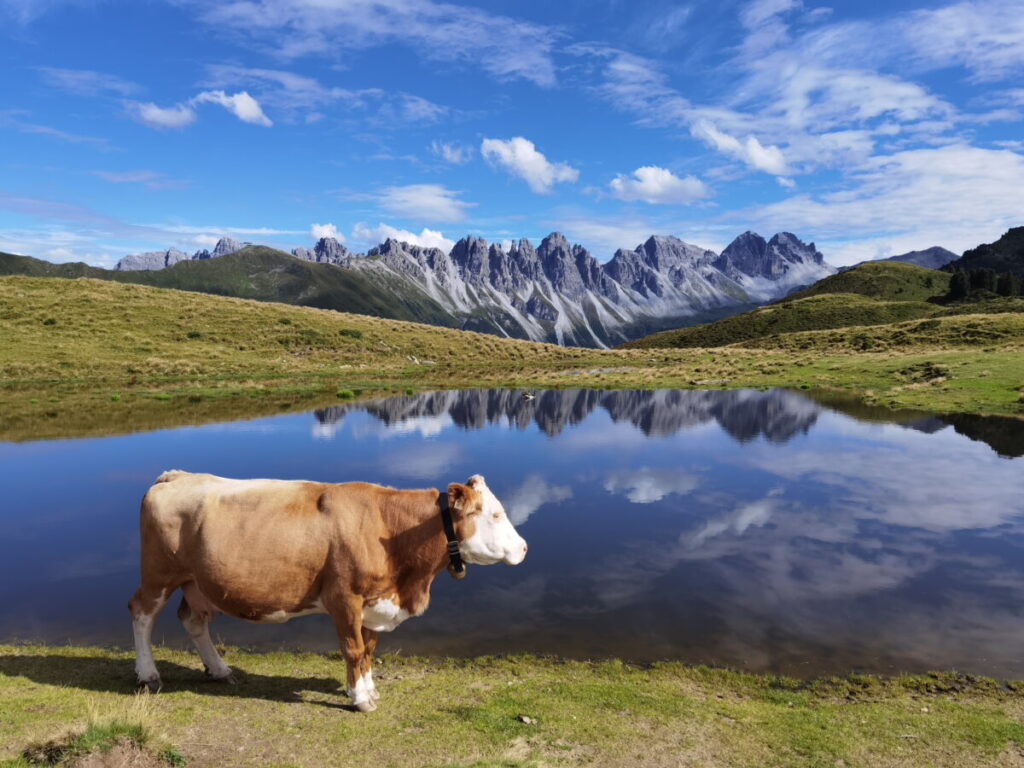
column 228, row 679
column 150, row 686
column 374, row 694
column 366, row 706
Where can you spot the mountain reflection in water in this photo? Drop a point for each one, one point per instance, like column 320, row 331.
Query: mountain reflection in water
column 776, row 414
column 761, row 530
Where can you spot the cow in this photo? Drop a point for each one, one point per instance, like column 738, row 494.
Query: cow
column 272, row 550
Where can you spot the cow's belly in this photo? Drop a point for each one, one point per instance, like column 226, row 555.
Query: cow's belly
column 383, row 615
column 278, row 617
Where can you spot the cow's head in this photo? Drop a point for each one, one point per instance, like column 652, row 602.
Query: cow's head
column 484, row 531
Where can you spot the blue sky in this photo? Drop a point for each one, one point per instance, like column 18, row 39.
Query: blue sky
column 870, row 128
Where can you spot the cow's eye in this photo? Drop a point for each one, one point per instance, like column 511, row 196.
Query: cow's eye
column 496, row 515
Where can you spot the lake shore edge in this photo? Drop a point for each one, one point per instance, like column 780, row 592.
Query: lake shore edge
column 287, row 709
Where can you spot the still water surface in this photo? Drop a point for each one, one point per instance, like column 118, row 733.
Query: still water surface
column 759, row 530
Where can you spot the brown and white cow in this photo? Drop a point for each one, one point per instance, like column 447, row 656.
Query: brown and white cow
column 271, row 550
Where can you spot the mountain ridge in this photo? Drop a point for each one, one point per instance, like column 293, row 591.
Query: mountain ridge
column 1004, row 255
column 557, row 292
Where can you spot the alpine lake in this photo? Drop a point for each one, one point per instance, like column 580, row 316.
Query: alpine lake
column 760, row 530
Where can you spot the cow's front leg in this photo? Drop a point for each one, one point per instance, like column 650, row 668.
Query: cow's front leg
column 348, row 623
column 369, row 645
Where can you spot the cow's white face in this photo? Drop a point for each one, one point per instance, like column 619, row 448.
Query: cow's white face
column 493, row 538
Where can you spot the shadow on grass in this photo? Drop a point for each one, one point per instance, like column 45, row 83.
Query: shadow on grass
column 117, row 676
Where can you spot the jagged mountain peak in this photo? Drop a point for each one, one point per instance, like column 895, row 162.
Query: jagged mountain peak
column 764, row 267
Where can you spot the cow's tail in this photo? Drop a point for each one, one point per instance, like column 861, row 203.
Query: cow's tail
column 171, row 474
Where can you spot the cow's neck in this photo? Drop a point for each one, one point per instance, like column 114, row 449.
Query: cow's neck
column 417, row 548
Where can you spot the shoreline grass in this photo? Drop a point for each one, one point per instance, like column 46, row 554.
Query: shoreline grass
column 287, row 710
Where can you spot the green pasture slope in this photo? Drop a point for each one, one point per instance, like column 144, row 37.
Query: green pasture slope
column 263, row 274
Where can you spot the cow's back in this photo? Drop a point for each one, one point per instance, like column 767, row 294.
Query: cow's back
column 253, row 547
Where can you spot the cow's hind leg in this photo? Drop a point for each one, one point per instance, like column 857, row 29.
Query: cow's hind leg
column 144, row 606
column 197, row 624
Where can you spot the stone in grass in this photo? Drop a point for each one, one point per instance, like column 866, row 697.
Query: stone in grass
column 527, row 719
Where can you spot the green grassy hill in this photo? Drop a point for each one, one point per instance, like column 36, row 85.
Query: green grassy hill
column 884, row 280
column 814, row 312
column 872, row 294
column 263, row 274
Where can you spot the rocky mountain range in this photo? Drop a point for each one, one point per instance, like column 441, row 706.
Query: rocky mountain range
column 558, row 292
column 935, row 257
column 777, row 415
column 161, row 259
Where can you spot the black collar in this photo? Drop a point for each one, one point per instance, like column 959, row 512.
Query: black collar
column 456, row 567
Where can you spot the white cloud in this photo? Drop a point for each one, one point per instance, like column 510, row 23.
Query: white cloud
column 520, row 157
column 149, row 113
column 429, row 202
column 427, row 238
column 751, row 151
column 241, row 104
column 534, row 493
column 647, row 485
column 451, row 152
column 317, row 231
column 652, row 184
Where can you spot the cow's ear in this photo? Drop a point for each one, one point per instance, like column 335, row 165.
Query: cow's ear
column 476, row 482
column 459, row 496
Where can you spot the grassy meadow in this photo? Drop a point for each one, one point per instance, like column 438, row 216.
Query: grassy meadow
column 511, row 712
column 87, row 357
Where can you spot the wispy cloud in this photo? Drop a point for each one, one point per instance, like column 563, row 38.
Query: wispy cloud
column 520, row 157
column 425, row 202
column 952, row 196
column 148, row 179
column 13, row 118
column 452, row 152
column 750, row 151
column 504, row 47
column 295, row 93
column 86, row 82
